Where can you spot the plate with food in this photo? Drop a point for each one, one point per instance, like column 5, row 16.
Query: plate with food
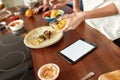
column 42, row 37
column 16, row 25
column 52, row 14
column 58, row 24
column 2, row 8
column 113, row 75
column 5, row 14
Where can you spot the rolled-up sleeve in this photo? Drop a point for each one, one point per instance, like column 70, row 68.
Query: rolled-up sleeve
column 117, row 3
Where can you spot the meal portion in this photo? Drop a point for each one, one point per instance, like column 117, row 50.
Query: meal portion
column 4, row 14
column 45, row 36
column 42, row 37
column 59, row 24
column 15, row 24
column 12, row 18
column 114, row 75
column 53, row 13
column 48, row 72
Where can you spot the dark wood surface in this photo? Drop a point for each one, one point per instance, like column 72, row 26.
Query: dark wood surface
column 103, row 59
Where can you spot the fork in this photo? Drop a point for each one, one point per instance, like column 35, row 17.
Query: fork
column 89, row 75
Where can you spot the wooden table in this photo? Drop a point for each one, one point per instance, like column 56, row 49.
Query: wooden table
column 103, row 59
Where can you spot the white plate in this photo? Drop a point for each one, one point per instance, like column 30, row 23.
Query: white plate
column 5, row 14
column 56, row 36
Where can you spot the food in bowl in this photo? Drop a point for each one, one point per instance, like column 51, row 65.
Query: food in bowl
column 12, row 18
column 45, row 36
column 16, row 25
column 49, row 72
column 58, row 24
column 113, row 75
column 52, row 14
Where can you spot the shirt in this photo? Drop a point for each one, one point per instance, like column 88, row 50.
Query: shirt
column 108, row 26
column 0, row 2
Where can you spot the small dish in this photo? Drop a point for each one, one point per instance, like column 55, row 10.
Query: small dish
column 47, row 15
column 49, row 71
column 16, row 25
column 4, row 14
column 2, row 26
column 58, row 24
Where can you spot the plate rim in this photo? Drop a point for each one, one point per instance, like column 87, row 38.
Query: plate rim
column 39, row 46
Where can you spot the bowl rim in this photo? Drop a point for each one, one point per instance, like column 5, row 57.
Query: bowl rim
column 19, row 20
column 40, row 69
column 52, row 18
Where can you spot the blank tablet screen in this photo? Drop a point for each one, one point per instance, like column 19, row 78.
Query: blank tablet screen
column 76, row 50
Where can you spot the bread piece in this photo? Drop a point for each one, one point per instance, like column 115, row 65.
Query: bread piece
column 114, row 75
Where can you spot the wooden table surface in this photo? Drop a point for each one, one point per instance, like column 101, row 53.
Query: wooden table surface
column 105, row 58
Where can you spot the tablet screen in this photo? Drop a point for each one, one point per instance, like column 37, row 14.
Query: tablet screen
column 76, row 50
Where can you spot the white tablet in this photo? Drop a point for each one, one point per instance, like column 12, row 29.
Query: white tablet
column 75, row 51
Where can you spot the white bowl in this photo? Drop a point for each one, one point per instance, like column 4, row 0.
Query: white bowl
column 16, row 25
column 48, row 71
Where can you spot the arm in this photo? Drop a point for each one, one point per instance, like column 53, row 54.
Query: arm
column 101, row 12
column 45, row 2
column 44, row 6
column 58, row 3
column 76, row 6
column 75, row 19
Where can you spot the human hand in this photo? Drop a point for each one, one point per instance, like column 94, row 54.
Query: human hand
column 76, row 10
column 58, row 3
column 73, row 20
column 43, row 7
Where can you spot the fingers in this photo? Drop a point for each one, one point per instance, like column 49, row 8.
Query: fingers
column 45, row 8
column 65, row 16
column 53, row 3
column 69, row 25
column 56, row 4
column 65, row 28
column 37, row 9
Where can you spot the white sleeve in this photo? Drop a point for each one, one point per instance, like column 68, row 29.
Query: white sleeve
column 117, row 3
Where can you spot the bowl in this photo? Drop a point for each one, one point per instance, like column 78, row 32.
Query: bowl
column 2, row 26
column 16, row 25
column 46, row 15
column 58, row 24
column 49, row 71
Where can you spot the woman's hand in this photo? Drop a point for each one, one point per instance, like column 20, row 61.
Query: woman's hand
column 73, row 21
column 43, row 7
column 58, row 3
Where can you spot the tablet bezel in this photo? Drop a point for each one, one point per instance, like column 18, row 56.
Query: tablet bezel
column 70, row 60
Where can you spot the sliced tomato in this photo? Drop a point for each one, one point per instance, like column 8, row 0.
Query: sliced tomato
column 46, row 14
column 12, row 18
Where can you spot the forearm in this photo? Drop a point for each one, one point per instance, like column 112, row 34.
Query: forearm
column 76, row 5
column 101, row 12
column 45, row 1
